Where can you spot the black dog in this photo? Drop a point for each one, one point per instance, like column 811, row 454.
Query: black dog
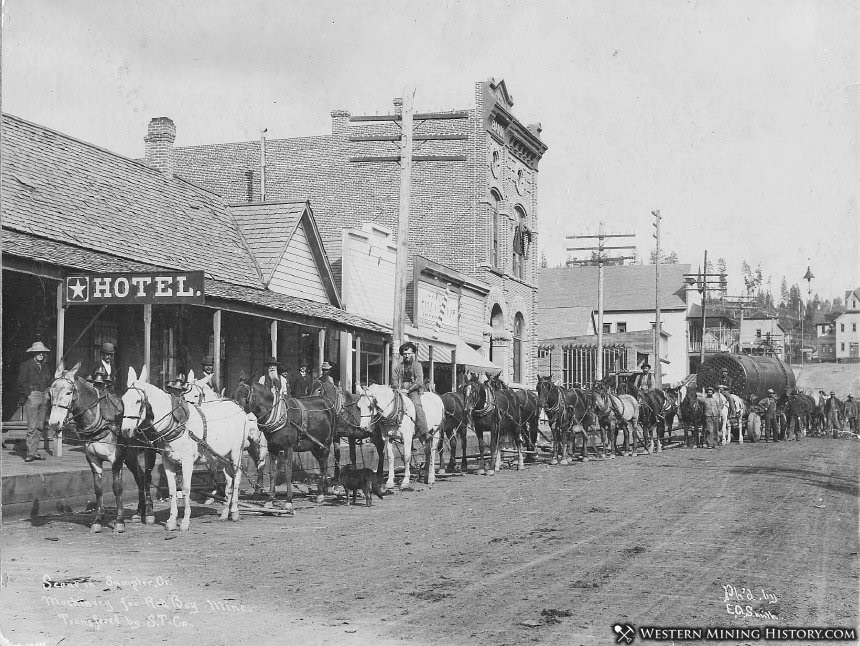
column 352, row 479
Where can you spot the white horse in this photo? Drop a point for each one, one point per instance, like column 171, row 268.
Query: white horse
column 215, row 431
column 395, row 413
column 725, row 428
column 198, row 391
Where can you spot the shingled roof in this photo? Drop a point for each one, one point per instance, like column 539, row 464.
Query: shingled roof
column 625, row 288
column 59, row 188
column 267, row 229
column 71, row 205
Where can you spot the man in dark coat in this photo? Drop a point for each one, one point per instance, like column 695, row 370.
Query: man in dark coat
column 106, row 365
column 34, row 379
column 408, row 376
column 208, row 364
column 301, row 382
column 324, row 384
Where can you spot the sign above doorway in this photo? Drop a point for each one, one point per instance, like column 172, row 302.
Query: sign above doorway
column 130, row 288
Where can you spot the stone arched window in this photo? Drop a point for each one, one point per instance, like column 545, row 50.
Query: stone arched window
column 519, row 332
column 495, row 204
column 518, row 246
column 497, row 322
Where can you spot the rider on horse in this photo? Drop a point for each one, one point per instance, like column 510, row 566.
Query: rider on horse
column 408, row 376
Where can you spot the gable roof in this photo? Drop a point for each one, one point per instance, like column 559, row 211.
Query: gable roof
column 562, row 322
column 269, row 228
column 625, row 288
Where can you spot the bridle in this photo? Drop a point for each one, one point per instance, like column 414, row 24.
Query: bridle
column 99, row 420
column 144, row 420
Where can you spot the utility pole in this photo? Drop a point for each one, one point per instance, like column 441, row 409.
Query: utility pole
column 739, row 303
column 808, row 278
column 400, row 277
column 707, row 281
column 405, row 119
column 601, row 249
column 658, row 369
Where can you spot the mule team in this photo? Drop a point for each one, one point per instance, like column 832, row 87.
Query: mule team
column 201, row 425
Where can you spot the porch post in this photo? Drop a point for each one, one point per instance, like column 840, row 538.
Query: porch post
column 320, row 347
column 345, row 355
column 357, row 381
column 273, row 335
column 386, row 363
column 216, row 334
column 432, row 373
column 61, row 331
column 454, row 384
column 147, row 338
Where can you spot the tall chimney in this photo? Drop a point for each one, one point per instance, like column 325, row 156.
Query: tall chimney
column 159, row 139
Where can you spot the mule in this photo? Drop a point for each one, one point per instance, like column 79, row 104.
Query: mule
column 395, row 413
column 214, row 431
column 353, row 423
column 691, row 414
column 97, row 417
column 627, row 412
column 458, row 407
column 291, row 425
column 551, row 398
column 198, row 391
column 608, row 422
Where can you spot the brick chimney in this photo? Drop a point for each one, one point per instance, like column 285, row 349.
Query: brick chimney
column 159, row 139
column 340, row 122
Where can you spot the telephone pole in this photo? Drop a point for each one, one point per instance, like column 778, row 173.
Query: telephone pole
column 808, row 278
column 601, row 249
column 400, row 277
column 406, row 120
column 707, row 281
column 658, row 368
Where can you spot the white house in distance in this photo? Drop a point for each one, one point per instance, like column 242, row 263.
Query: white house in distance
column 757, row 330
column 568, row 312
column 847, row 335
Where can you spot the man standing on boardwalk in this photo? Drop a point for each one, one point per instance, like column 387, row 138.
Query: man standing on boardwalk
column 34, row 379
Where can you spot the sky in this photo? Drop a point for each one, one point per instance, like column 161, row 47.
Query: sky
column 737, row 119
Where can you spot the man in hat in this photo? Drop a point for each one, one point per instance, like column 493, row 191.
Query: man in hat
column 768, row 405
column 408, row 376
column 712, row 410
column 833, row 409
column 852, row 412
column 300, row 382
column 645, row 380
column 208, row 364
column 272, row 378
column 34, row 379
column 324, row 384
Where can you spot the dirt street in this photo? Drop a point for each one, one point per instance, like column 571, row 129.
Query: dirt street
column 743, row 536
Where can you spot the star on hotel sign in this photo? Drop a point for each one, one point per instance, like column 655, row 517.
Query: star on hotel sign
column 77, row 289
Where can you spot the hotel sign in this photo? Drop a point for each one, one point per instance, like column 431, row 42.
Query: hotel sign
column 135, row 288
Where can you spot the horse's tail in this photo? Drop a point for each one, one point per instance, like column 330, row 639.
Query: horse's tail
column 376, row 488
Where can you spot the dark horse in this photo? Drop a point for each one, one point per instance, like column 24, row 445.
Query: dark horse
column 551, row 400
column 291, row 425
column 799, row 409
column 691, row 414
column 97, row 420
column 495, row 412
column 569, row 411
column 458, row 417
column 659, row 410
column 349, row 425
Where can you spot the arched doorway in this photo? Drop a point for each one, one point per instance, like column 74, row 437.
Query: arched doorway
column 497, row 324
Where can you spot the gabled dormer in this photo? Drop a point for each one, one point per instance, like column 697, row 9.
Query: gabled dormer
column 287, row 247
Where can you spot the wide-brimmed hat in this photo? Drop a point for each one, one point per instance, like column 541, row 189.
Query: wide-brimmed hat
column 709, row 388
column 770, row 391
column 38, row 346
column 108, row 348
column 325, row 366
column 207, row 361
column 723, row 387
column 646, row 365
column 833, row 393
column 850, row 397
column 272, row 361
column 406, row 346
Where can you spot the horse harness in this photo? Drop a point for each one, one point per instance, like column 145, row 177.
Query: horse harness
column 100, row 428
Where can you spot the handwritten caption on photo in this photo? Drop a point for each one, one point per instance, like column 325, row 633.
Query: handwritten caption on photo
column 128, row 602
column 747, row 602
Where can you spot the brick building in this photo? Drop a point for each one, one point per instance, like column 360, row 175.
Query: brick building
column 473, row 206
